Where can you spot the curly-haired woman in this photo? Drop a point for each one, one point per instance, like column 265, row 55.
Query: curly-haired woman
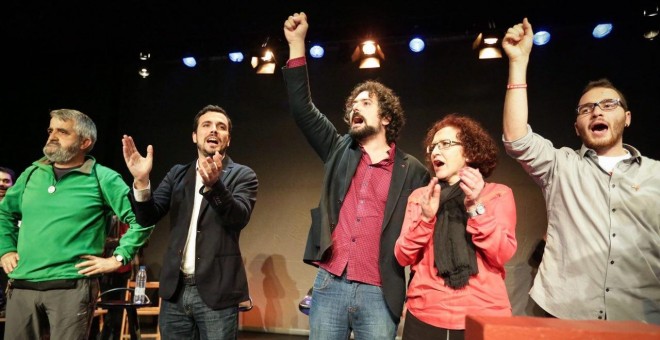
column 457, row 234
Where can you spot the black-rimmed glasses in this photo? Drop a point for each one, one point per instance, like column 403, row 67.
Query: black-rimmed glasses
column 441, row 145
column 605, row 105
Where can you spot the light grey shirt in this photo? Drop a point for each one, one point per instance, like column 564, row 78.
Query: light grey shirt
column 602, row 256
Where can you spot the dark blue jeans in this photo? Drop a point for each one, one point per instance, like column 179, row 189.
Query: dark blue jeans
column 340, row 306
column 188, row 317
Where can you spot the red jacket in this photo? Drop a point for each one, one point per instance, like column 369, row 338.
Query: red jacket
column 493, row 234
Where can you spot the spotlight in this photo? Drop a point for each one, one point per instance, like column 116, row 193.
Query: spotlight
column 541, row 38
column 236, row 57
column 602, row 30
column 190, row 61
column 651, row 22
column 144, row 64
column 263, row 61
column 369, row 54
column 486, row 43
column 416, row 44
column 316, row 51
column 264, row 64
column 144, row 72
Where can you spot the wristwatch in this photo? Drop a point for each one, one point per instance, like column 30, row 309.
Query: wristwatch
column 480, row 210
column 119, row 258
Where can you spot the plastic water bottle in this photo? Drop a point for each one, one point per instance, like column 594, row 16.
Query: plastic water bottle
column 139, row 295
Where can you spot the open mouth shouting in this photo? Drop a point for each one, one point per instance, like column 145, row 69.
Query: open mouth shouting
column 437, row 164
column 599, row 128
column 357, row 121
column 213, row 141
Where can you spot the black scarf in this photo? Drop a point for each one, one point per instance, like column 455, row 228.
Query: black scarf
column 454, row 252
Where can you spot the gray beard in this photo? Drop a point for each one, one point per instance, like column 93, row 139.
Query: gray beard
column 61, row 155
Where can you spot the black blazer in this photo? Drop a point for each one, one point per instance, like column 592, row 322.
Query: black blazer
column 224, row 212
column 341, row 155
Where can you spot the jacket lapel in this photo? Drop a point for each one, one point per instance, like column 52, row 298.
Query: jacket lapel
column 189, row 187
column 399, row 174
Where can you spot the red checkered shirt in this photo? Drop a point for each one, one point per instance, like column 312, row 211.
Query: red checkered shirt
column 356, row 239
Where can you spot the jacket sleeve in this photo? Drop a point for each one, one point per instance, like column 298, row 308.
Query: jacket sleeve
column 10, row 214
column 415, row 233
column 116, row 193
column 152, row 210
column 317, row 128
column 235, row 204
column 494, row 233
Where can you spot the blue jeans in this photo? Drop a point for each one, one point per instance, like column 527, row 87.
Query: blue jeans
column 188, row 317
column 340, row 306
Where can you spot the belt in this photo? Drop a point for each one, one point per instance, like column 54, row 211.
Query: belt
column 44, row 285
column 188, row 279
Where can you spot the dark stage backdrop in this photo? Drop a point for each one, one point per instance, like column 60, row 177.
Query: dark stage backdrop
column 446, row 78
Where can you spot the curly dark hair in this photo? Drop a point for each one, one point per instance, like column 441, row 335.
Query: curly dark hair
column 478, row 145
column 388, row 102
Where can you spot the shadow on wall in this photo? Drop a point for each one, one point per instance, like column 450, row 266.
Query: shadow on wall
column 270, row 304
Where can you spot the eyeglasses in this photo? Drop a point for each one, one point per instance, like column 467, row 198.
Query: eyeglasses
column 605, row 105
column 441, row 145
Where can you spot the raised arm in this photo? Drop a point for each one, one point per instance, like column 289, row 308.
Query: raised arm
column 517, row 44
column 295, row 30
column 139, row 166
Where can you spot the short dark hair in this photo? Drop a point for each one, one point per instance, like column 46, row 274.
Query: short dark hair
column 605, row 83
column 209, row 108
column 479, row 146
column 388, row 102
column 11, row 173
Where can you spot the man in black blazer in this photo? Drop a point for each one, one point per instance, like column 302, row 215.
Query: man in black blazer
column 360, row 286
column 209, row 201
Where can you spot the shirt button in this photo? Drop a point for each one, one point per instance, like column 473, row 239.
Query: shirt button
column 612, row 262
column 607, row 289
column 614, row 210
column 353, row 239
column 614, row 235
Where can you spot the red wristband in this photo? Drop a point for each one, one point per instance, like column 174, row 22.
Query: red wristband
column 516, row 86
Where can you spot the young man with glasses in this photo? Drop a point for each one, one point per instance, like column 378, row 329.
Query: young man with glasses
column 601, row 260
